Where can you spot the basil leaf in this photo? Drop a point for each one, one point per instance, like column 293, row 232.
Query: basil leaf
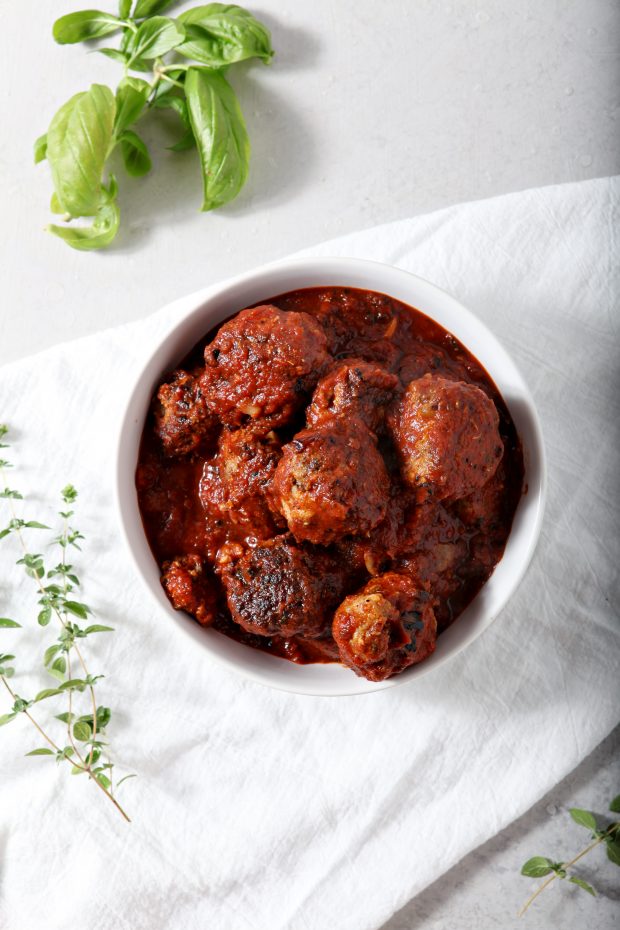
column 186, row 142
column 219, row 34
column 40, row 149
column 78, row 143
column 55, row 204
column 131, row 97
column 87, row 24
column 114, row 54
column 97, row 236
column 124, row 8
column 150, row 7
column 155, row 37
column 135, row 154
column 537, row 866
column 176, row 103
column 583, row 818
column 615, row 805
column 220, row 133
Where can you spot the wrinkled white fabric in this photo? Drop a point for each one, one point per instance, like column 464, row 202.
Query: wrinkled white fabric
column 257, row 809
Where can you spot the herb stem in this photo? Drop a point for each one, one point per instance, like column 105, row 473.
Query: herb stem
column 566, row 865
column 47, row 738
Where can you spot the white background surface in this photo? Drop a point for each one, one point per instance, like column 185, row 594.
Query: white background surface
column 370, row 112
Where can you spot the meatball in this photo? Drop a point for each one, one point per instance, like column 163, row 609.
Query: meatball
column 354, row 388
column 447, row 437
column 261, row 366
column 182, row 418
column 331, row 481
column 349, row 315
column 434, row 546
column 385, row 627
column 188, row 587
column 280, row 588
column 236, row 483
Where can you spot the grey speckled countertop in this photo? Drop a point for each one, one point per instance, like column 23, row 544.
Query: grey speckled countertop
column 485, row 890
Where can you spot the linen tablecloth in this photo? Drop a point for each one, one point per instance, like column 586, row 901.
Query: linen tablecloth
column 258, row 809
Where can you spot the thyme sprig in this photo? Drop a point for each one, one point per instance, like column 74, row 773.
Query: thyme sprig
column 541, row 866
column 82, row 741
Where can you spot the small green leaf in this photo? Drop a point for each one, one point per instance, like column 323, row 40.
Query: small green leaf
column 77, row 683
column 131, row 97
column 9, row 494
column 99, row 628
column 65, row 718
column 50, row 652
column 45, row 616
column 581, row 884
column 79, row 610
column 82, row 26
column 613, row 850
column 537, row 867
column 6, row 718
column 81, row 731
column 124, row 8
column 219, row 129
column 40, row 149
column 115, row 54
column 154, row 38
column 46, row 693
column 34, row 525
column 150, row 7
column 5, row 622
column 60, row 665
column 40, row 752
column 583, row 818
column 615, row 805
column 136, row 157
column 103, row 780
column 77, row 770
column 88, row 238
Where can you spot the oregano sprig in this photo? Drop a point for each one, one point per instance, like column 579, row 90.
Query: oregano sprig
column 544, row 867
column 183, row 63
column 81, row 738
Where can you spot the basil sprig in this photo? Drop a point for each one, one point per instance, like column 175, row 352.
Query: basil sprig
column 202, row 43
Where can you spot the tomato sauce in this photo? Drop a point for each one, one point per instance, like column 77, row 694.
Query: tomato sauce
column 453, row 547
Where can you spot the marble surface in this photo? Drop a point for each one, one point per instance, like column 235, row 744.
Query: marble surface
column 371, row 112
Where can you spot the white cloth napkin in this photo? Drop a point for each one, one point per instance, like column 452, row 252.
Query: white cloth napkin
column 258, row 809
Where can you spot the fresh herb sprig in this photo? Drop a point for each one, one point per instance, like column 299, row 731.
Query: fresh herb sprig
column 186, row 59
column 541, row 866
column 82, row 736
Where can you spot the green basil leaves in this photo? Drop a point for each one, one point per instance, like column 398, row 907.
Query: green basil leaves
column 85, row 25
column 97, row 124
column 219, row 34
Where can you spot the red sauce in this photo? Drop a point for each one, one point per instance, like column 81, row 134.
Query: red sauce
column 451, row 546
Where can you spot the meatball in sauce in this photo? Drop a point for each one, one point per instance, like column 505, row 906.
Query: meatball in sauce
column 329, row 477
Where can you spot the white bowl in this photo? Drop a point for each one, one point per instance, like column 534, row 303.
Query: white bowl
column 194, row 317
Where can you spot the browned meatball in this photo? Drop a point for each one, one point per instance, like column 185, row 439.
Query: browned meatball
column 280, row 588
column 331, row 480
column 237, row 481
column 353, row 388
column 447, row 437
column 262, row 364
column 182, row 418
column 187, row 585
column 385, row 627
